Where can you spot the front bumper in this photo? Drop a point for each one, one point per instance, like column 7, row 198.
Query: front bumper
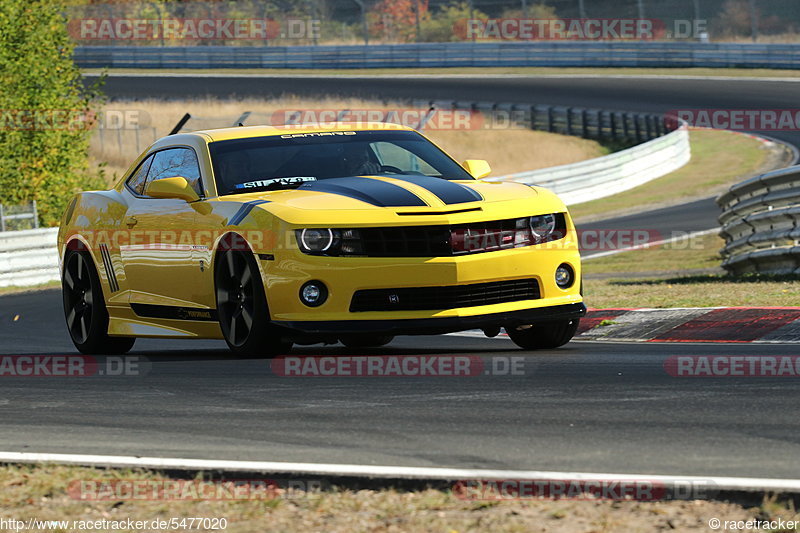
column 437, row 326
column 286, row 272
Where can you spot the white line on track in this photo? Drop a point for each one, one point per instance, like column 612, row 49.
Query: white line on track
column 393, row 472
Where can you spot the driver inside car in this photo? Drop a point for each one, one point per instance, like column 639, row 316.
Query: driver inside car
column 356, row 160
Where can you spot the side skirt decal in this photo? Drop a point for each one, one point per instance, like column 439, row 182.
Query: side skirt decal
column 169, row 312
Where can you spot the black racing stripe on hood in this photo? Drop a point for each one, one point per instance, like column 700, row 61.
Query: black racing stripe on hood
column 371, row 191
column 448, row 192
column 244, row 210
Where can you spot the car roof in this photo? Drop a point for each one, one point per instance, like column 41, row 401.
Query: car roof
column 245, row 132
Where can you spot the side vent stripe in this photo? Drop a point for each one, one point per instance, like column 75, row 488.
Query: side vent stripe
column 109, row 266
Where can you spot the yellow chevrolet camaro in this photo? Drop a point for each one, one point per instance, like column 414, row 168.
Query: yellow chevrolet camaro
column 269, row 236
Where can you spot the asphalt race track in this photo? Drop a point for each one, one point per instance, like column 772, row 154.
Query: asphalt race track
column 587, row 407
column 590, row 406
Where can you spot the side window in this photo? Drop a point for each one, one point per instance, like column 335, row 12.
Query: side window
column 136, row 181
column 176, row 162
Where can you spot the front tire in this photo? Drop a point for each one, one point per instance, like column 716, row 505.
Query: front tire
column 242, row 307
column 546, row 335
column 85, row 308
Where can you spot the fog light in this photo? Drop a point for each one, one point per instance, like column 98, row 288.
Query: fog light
column 565, row 276
column 313, row 293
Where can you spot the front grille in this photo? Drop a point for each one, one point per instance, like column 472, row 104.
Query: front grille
column 445, row 240
column 412, row 241
column 448, row 297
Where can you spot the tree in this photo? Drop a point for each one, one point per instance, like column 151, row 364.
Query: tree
column 46, row 114
column 396, row 20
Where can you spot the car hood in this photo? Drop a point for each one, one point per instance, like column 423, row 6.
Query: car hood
column 379, row 192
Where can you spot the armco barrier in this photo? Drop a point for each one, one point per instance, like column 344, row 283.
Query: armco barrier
column 761, row 223
column 435, row 55
column 28, row 257
column 612, row 174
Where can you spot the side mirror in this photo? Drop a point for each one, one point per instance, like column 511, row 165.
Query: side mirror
column 177, row 187
column 477, row 168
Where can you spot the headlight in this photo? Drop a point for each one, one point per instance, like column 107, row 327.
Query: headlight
column 327, row 241
column 543, row 226
column 317, row 240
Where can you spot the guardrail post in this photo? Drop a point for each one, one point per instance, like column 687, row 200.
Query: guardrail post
column 638, row 127
column 35, row 216
column 569, row 121
column 550, row 119
column 2, row 219
column 648, row 124
column 625, row 126
column 612, row 116
column 584, row 123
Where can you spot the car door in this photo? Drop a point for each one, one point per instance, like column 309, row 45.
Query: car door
column 157, row 257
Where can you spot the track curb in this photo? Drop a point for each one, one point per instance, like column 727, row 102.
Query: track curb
column 693, row 324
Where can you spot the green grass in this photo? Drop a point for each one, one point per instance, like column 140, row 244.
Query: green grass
column 675, row 275
column 40, row 492
column 711, row 290
column 42, row 286
column 701, row 252
column 481, row 71
column 719, row 159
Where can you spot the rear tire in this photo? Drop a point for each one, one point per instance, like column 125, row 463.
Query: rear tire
column 242, row 307
column 366, row 341
column 546, row 335
column 85, row 308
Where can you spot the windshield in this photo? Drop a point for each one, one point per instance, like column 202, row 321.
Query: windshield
column 288, row 161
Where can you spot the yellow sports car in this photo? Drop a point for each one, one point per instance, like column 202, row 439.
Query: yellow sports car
column 269, row 236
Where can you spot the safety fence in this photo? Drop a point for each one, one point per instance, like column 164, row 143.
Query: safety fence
column 460, row 54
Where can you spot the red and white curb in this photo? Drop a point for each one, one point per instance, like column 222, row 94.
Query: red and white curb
column 693, row 324
column 780, row 325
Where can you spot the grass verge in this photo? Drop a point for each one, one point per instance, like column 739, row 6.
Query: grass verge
column 709, row 290
column 681, row 274
column 482, row 72
column 719, row 159
column 40, row 287
column 41, row 492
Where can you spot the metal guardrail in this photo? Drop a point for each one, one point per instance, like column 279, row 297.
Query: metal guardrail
column 612, row 174
column 28, row 257
column 761, row 224
column 16, row 217
column 463, row 54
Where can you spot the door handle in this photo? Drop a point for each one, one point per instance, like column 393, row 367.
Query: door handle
column 131, row 221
